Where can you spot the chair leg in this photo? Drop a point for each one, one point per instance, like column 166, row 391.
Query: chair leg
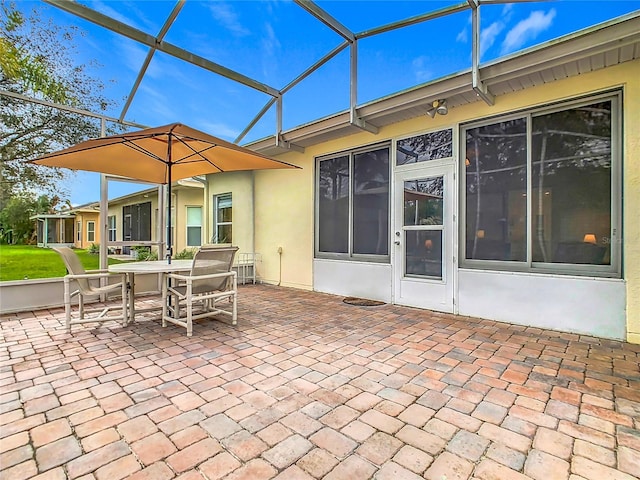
column 234, row 316
column 125, row 312
column 67, row 305
column 81, row 305
column 165, row 299
column 189, row 309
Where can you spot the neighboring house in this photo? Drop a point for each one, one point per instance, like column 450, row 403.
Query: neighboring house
column 87, row 225
column 524, row 210
column 132, row 218
column 54, row 229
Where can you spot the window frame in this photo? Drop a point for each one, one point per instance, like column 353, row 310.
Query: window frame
column 349, row 255
column 188, row 225
column 614, row 269
column 216, row 223
column 111, row 228
column 91, row 230
column 79, row 232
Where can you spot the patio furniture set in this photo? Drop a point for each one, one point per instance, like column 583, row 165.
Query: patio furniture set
column 191, row 289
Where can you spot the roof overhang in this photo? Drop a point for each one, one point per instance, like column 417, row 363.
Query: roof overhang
column 51, row 215
column 604, row 45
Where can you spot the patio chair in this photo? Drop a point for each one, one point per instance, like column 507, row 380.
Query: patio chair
column 85, row 280
column 210, row 281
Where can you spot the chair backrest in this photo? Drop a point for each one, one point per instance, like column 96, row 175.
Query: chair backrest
column 74, row 267
column 209, row 260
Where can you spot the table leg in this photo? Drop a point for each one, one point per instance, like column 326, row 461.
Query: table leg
column 132, row 296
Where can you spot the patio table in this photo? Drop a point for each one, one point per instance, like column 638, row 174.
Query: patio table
column 153, row 266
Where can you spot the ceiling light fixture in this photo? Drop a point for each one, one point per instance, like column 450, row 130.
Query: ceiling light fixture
column 439, row 107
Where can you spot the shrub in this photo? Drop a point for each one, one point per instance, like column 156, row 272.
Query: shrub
column 145, row 253
column 94, row 249
column 185, row 254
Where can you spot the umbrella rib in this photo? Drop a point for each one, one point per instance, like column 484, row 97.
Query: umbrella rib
column 196, row 153
column 134, row 146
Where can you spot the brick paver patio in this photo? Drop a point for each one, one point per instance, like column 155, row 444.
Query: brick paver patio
column 307, row 387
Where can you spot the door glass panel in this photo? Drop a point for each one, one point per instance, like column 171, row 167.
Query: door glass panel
column 423, row 253
column 423, row 201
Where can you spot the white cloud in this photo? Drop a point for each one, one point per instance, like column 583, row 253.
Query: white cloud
column 488, row 36
column 228, row 18
column 219, row 130
column 106, row 9
column 527, row 29
column 420, row 70
column 270, row 42
column 463, row 35
column 507, row 12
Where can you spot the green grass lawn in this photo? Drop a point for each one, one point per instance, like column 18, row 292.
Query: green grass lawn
column 18, row 262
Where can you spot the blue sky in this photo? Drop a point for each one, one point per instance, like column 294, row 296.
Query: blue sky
column 274, row 41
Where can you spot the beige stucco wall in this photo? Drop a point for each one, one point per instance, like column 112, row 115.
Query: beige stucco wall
column 183, row 198
column 631, row 200
column 84, row 218
column 284, row 199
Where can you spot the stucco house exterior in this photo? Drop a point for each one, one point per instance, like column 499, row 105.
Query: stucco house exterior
column 132, row 220
column 517, row 205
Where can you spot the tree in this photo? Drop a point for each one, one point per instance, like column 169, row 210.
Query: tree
column 37, row 60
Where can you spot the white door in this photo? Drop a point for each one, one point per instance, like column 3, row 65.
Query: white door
column 424, row 238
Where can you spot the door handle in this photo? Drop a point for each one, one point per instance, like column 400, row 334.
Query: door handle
column 397, row 242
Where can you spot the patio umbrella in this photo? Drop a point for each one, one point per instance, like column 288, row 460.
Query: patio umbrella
column 160, row 155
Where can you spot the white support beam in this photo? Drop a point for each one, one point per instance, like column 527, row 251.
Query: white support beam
column 280, row 142
column 255, row 120
column 461, row 7
column 354, row 119
column 66, row 108
column 480, row 88
column 327, row 19
column 139, row 36
column 145, row 65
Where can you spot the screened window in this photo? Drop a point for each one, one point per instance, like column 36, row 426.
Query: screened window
column 194, row 226
column 91, row 231
column 540, row 189
column 353, row 204
column 223, row 215
column 111, row 227
column 426, row 147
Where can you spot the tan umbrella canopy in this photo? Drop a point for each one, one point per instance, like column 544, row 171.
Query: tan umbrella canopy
column 160, row 155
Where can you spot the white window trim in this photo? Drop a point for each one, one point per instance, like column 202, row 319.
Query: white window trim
column 607, row 271
column 111, row 228
column 350, row 256
column 188, row 225
column 91, row 231
column 216, row 223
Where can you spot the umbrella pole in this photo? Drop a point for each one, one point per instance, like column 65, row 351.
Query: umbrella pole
column 169, row 246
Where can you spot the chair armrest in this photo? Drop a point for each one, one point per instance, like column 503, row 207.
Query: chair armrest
column 92, row 275
column 97, row 271
column 186, row 278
